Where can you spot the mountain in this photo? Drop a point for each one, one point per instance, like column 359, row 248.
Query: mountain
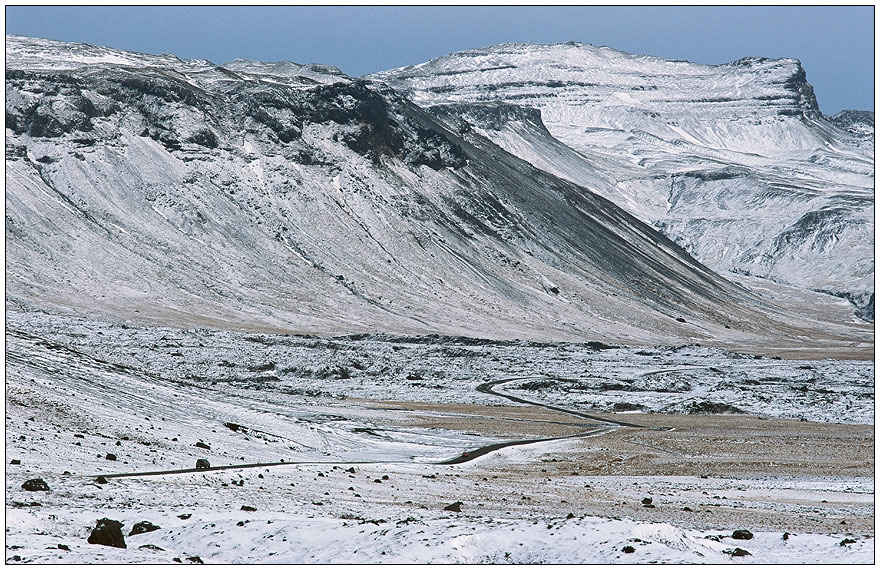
column 287, row 197
column 734, row 162
column 860, row 123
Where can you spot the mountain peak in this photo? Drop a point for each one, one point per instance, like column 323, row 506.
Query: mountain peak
column 698, row 150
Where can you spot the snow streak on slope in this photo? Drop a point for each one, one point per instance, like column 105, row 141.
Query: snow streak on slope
column 734, row 162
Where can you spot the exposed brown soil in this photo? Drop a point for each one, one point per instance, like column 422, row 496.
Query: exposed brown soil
column 729, row 470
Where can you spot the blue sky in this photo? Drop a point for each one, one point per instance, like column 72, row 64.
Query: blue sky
column 835, row 44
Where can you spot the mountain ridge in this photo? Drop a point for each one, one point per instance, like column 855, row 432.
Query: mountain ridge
column 781, row 188
column 201, row 198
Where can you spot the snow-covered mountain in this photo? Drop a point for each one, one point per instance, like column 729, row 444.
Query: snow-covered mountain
column 733, row 162
column 293, row 198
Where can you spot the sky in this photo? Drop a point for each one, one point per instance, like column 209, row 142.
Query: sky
column 834, row 44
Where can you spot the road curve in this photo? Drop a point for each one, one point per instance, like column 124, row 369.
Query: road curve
column 485, row 387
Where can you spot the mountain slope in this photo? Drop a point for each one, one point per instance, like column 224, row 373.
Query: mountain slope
column 733, row 162
column 286, row 197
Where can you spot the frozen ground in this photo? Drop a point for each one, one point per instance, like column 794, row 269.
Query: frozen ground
column 361, row 423
column 670, row 379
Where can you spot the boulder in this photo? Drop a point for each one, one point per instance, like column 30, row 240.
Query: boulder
column 454, row 507
column 35, row 485
column 142, row 527
column 737, row 552
column 203, row 464
column 108, row 533
column 742, row 535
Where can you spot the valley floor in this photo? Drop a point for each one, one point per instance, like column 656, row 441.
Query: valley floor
column 364, row 424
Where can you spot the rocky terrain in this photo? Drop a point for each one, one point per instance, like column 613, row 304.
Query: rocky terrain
column 337, row 450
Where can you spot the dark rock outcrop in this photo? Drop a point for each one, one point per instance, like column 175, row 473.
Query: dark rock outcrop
column 35, row 485
column 142, row 527
column 107, row 532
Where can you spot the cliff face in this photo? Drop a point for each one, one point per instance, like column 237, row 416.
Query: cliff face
column 733, row 162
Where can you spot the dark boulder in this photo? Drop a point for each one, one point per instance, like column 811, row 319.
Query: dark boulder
column 142, row 527
column 742, row 535
column 101, row 480
column 202, row 445
column 151, row 547
column 35, row 485
column 110, row 457
column 706, row 407
column 108, row 532
column 737, row 552
column 627, row 549
column 203, row 464
column 454, row 507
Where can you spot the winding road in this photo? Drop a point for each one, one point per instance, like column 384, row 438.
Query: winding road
column 605, row 426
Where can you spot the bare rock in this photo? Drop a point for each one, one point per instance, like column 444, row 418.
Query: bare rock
column 108, row 532
column 736, row 552
column 142, row 527
column 35, row 485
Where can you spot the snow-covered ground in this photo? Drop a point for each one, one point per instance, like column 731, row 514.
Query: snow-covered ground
column 667, row 379
column 361, row 482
